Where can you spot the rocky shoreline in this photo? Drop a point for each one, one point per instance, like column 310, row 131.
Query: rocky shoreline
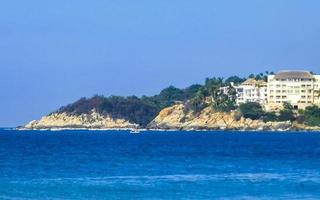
column 171, row 118
column 93, row 120
column 176, row 117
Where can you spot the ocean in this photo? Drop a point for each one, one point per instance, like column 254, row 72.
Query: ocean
column 159, row 165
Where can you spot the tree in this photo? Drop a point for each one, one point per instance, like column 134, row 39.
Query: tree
column 287, row 114
column 225, row 102
column 270, row 117
column 192, row 90
column 232, row 93
column 312, row 115
column 261, row 76
column 225, row 105
column 234, row 79
column 251, row 110
column 213, row 86
column 172, row 93
column 198, row 101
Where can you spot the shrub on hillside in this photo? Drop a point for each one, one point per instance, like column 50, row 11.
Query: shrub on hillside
column 287, row 114
column 251, row 110
column 270, row 117
column 312, row 115
column 226, row 106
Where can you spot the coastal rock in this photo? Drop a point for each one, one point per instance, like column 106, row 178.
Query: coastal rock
column 93, row 120
column 299, row 126
column 176, row 117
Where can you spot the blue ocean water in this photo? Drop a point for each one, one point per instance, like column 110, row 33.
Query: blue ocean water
column 159, row 165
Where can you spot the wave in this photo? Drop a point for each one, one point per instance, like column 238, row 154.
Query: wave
column 236, row 177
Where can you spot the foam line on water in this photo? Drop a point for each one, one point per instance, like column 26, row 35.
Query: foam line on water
column 251, row 177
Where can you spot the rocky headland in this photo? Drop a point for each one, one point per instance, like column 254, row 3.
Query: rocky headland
column 170, row 118
column 92, row 120
column 197, row 107
column 176, row 117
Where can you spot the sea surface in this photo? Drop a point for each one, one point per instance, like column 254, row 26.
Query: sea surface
column 159, row 165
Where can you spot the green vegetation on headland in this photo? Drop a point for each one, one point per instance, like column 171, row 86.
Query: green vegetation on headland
column 134, row 109
column 255, row 111
column 310, row 116
column 142, row 110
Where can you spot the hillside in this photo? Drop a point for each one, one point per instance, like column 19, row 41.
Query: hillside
column 177, row 117
column 195, row 107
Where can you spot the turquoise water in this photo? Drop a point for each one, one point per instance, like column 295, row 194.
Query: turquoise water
column 158, row 165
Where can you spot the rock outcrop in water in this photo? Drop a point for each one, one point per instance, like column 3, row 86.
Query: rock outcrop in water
column 177, row 117
column 93, row 120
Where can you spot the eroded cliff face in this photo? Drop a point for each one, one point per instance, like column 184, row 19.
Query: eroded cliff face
column 175, row 117
column 90, row 121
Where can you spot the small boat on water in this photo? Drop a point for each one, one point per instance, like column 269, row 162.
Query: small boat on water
column 135, row 131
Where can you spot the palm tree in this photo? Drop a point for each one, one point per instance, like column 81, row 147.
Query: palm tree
column 213, row 86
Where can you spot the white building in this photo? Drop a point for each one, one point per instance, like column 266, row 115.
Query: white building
column 299, row 88
column 252, row 91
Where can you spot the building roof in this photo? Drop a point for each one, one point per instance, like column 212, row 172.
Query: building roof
column 293, row 74
column 254, row 82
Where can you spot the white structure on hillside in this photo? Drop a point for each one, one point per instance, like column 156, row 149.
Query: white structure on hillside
column 299, row 88
column 252, row 91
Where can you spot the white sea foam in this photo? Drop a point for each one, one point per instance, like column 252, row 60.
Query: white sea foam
column 238, row 177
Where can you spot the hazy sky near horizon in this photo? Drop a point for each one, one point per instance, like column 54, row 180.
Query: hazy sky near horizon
column 54, row 52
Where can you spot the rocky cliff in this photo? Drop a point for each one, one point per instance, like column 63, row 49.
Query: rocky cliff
column 176, row 117
column 93, row 120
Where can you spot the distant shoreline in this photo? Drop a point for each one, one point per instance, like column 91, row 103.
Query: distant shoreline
column 162, row 130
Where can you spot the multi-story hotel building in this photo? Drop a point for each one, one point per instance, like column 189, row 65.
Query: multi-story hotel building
column 299, row 88
column 252, row 91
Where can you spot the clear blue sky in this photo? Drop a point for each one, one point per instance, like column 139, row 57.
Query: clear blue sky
column 54, row 52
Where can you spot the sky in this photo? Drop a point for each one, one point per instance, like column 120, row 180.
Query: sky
column 54, row 52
